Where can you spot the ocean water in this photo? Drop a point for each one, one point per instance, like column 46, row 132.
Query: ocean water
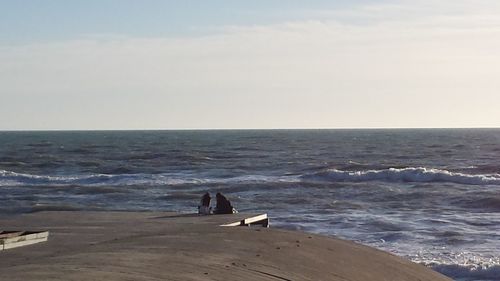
column 432, row 196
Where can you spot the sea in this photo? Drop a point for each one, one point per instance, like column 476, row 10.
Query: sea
column 428, row 195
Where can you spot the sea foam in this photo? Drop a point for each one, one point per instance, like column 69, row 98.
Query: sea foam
column 411, row 174
column 464, row 272
column 419, row 174
column 9, row 178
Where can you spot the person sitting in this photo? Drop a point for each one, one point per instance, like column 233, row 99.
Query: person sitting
column 204, row 207
column 223, row 205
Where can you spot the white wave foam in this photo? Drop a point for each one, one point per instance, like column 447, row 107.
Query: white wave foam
column 467, row 272
column 464, row 266
column 8, row 178
column 457, row 263
column 420, row 174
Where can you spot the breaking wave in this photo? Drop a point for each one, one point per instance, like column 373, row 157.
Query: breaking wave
column 419, row 174
column 461, row 265
column 8, row 178
column 464, row 272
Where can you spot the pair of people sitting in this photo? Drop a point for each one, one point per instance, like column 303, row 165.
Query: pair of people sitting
column 223, row 206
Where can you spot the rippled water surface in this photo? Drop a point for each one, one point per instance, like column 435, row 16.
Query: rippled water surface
column 432, row 196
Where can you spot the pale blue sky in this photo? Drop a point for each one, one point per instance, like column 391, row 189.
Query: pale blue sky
column 126, row 64
column 32, row 20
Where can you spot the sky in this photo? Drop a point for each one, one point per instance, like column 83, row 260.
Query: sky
column 262, row 64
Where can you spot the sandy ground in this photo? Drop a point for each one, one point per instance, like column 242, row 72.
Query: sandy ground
column 167, row 246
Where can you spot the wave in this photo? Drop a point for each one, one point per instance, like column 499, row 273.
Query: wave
column 124, row 178
column 55, row 207
column 465, row 272
column 419, row 174
column 462, row 265
column 9, row 178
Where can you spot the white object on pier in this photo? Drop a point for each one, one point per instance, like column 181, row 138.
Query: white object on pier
column 262, row 219
column 14, row 239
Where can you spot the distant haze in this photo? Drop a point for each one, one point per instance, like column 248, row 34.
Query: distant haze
column 256, row 64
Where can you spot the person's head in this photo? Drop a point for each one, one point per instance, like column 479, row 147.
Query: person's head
column 205, row 199
column 221, row 199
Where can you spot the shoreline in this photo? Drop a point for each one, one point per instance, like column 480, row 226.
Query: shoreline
column 89, row 245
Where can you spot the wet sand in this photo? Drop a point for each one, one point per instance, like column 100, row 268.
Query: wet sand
column 170, row 246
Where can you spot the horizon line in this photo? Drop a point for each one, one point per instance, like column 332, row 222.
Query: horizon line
column 247, row 129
